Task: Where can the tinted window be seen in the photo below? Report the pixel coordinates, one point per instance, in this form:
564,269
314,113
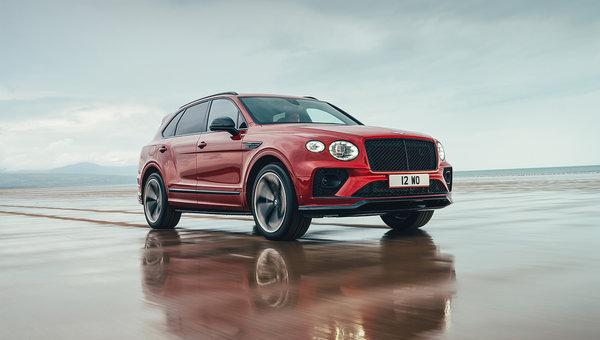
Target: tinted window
169,131
276,110
193,120
223,108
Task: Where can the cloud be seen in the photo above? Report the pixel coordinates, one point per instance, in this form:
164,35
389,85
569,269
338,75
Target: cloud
12,95
452,69
104,134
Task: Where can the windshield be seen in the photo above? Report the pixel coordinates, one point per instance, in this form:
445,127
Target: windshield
275,110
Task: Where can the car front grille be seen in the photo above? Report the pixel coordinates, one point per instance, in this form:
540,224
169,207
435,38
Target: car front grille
382,189
401,154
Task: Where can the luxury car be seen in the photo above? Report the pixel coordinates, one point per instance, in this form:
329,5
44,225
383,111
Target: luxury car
286,160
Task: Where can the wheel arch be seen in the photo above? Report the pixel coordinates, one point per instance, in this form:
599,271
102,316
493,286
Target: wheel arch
148,170
260,161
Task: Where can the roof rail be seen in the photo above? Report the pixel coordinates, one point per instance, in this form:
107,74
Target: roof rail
310,97
212,95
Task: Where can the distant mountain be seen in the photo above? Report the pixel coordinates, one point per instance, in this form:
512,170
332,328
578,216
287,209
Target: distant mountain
75,174
32,180
87,168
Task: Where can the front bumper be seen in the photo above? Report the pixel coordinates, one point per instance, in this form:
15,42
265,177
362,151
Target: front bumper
364,192
378,206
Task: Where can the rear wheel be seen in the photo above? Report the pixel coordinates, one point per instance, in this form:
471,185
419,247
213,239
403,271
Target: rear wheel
275,207
159,214
407,220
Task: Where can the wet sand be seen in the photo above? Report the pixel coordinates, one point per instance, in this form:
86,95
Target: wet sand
514,257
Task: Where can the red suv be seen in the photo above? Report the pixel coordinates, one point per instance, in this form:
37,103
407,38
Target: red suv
285,160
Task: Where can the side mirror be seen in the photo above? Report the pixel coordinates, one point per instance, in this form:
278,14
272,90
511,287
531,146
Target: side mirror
224,124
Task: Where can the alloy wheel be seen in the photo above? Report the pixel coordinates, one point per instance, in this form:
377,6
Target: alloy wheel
270,202
152,200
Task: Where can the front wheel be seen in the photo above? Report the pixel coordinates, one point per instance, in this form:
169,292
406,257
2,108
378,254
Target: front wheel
275,207
159,214
407,220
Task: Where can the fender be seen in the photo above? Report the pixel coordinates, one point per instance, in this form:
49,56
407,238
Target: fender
143,174
255,158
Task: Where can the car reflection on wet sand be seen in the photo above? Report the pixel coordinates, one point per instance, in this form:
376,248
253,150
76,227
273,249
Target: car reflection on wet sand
219,285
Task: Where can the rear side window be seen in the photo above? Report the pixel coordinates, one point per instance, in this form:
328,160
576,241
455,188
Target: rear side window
223,108
169,131
193,120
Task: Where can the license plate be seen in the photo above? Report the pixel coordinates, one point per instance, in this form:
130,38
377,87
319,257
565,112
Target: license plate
407,181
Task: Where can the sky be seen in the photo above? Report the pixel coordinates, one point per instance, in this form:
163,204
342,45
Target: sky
503,84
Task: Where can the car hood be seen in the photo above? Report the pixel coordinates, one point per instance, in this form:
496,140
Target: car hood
341,131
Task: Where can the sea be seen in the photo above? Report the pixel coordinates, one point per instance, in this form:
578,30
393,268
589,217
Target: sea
562,170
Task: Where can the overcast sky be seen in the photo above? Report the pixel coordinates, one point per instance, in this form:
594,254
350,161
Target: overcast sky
503,84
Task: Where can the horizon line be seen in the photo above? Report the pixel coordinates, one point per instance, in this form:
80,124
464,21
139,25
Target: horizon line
42,171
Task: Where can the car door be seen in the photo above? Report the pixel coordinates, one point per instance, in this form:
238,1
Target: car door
180,167
220,160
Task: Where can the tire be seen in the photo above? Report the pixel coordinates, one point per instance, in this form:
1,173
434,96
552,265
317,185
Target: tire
275,206
407,220
159,214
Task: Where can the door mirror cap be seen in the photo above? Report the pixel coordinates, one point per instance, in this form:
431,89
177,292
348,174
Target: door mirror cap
224,124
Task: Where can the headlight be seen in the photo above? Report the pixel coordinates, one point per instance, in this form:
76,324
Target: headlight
343,150
441,151
315,146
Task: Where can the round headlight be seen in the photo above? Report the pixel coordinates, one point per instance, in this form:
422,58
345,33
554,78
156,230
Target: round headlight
343,150
441,152
315,146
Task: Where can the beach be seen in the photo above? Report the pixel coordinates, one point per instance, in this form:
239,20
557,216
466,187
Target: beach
515,256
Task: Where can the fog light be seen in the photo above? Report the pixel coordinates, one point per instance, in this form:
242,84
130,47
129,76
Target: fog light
327,182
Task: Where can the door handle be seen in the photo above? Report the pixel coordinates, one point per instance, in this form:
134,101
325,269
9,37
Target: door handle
163,148
202,145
